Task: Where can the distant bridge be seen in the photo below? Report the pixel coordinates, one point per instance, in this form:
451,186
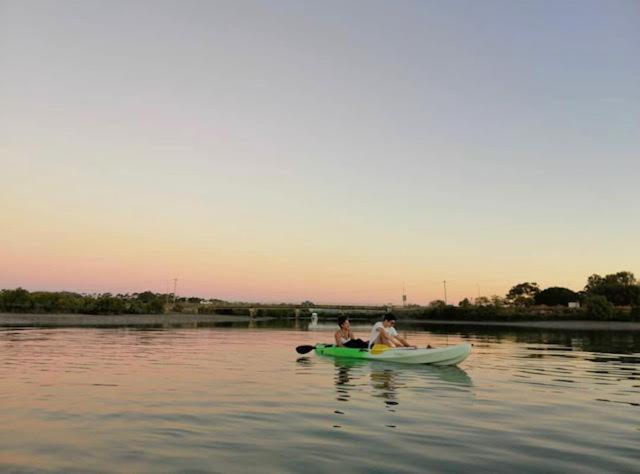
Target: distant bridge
278,309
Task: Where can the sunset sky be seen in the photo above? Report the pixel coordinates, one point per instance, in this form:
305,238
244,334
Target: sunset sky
330,151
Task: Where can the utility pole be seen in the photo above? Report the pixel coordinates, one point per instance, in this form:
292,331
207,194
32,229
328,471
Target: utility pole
404,295
444,282
175,286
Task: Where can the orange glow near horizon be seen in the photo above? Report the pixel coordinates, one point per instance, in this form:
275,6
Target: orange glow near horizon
79,251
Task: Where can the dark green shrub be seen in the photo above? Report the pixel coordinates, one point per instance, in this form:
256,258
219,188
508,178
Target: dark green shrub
555,296
598,307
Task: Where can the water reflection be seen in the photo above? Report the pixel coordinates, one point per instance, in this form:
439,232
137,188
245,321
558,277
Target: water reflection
347,371
387,381
304,361
342,379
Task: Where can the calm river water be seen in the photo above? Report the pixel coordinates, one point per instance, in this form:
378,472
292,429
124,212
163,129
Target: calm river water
237,399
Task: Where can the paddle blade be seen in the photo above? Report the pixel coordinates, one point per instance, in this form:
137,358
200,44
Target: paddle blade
304,349
379,348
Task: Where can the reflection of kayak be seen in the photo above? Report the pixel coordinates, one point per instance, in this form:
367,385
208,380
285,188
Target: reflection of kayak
450,355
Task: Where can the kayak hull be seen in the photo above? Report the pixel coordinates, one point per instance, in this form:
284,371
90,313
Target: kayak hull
450,355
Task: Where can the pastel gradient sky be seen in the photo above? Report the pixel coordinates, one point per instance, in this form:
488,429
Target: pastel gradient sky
291,150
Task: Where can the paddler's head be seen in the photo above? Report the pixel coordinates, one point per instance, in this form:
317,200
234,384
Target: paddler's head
343,322
389,320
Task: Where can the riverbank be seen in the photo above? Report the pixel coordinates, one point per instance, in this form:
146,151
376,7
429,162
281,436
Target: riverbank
121,320
182,320
570,324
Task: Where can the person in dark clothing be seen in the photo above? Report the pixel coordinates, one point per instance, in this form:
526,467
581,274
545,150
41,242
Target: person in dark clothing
344,336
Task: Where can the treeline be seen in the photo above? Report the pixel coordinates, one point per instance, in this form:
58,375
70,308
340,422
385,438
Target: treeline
613,297
23,301
619,289
593,310
147,302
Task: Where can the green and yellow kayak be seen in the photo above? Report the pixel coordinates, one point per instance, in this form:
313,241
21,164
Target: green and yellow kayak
450,355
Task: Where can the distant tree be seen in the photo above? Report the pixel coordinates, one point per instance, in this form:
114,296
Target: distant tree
555,296
523,294
44,301
107,304
497,301
620,288
620,278
465,303
598,307
482,301
437,304
135,306
18,300
156,306
70,302
146,296
307,303
21,300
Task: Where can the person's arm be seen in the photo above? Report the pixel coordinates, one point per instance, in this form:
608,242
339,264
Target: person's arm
404,342
338,337
400,341
386,338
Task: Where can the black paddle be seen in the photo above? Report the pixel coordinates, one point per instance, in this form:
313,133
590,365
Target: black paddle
304,349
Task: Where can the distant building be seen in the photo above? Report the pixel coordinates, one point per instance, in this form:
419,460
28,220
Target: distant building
574,304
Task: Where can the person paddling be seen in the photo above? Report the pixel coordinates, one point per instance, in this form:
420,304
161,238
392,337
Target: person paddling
344,336
384,332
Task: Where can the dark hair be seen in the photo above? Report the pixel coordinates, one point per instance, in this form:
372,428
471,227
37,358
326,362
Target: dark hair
341,320
389,317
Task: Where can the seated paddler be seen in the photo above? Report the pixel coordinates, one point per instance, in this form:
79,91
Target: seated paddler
344,336
384,332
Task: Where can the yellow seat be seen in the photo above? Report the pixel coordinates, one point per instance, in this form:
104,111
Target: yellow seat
379,348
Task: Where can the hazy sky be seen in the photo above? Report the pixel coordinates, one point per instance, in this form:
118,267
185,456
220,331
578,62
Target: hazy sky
329,150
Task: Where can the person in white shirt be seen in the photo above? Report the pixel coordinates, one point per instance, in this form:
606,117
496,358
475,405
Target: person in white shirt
384,332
